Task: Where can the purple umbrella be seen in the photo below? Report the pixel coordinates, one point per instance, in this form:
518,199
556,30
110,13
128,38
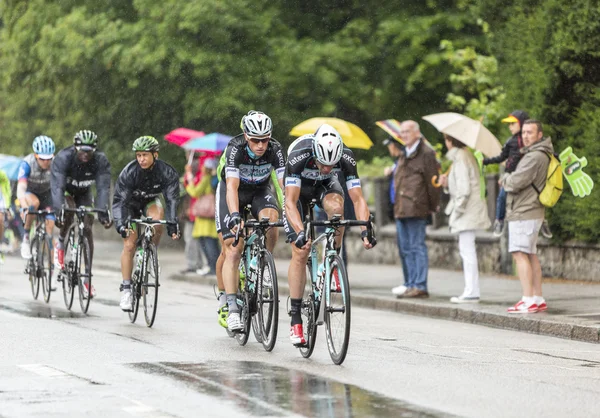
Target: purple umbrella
214,142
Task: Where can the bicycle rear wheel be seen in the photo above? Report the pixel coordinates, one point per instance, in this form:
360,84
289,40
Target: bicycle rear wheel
150,285
309,314
267,301
84,274
34,279
68,284
46,268
337,310
242,337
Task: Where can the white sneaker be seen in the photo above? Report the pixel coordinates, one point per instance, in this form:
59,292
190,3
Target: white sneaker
464,299
399,290
203,271
234,323
126,301
25,249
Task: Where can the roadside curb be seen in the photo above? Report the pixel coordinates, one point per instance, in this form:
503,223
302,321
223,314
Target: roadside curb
542,324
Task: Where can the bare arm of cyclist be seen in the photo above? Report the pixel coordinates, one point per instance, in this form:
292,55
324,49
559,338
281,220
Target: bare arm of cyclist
292,194
361,209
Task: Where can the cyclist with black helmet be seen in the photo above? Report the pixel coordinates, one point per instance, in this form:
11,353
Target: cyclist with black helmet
33,188
313,161
137,192
244,177
75,170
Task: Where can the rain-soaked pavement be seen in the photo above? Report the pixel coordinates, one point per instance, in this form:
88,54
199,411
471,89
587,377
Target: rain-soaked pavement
60,363
263,390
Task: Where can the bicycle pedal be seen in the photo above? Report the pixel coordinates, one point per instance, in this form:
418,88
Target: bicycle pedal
300,345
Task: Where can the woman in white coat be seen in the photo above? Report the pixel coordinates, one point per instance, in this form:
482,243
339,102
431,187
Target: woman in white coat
467,212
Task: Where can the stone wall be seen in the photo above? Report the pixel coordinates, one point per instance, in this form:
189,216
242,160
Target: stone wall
575,261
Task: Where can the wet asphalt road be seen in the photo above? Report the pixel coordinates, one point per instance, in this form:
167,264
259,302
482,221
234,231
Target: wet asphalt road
57,363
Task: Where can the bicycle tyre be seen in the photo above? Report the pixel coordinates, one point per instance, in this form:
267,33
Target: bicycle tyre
84,255
46,267
242,337
150,284
34,279
67,280
135,295
309,311
337,349
267,294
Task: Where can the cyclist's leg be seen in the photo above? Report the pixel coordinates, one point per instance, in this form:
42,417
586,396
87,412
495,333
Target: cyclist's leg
87,199
264,204
155,210
296,276
1,223
127,256
222,308
45,200
332,202
29,201
230,269
59,255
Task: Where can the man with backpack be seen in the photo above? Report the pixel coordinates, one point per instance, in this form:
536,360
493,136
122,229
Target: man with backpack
527,190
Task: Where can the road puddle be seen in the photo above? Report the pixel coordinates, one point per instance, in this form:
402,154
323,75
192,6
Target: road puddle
260,389
38,309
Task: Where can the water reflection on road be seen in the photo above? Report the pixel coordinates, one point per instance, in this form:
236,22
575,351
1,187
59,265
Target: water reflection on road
264,390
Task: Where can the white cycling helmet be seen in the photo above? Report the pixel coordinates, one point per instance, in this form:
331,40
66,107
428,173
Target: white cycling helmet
327,145
257,124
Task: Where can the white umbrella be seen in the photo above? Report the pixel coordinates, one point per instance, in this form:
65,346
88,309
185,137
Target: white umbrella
468,131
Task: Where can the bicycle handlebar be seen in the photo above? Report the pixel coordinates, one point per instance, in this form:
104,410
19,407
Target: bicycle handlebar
83,209
150,221
337,222
38,212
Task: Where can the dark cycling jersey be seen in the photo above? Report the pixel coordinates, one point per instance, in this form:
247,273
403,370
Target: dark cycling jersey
302,171
38,180
252,172
136,186
76,178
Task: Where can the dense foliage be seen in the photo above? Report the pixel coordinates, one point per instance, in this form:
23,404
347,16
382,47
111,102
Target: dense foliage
137,67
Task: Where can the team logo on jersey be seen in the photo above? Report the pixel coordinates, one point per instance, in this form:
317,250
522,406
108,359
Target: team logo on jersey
299,158
349,159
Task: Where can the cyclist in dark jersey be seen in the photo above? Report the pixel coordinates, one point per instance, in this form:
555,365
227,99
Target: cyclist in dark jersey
313,161
249,160
137,193
75,170
33,189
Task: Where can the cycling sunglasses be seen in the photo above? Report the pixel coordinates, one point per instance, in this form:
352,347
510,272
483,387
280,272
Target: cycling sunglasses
259,140
85,148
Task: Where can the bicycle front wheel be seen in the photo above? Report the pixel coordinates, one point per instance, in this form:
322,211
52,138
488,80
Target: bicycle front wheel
267,301
46,268
84,274
337,310
34,279
150,285
309,316
68,283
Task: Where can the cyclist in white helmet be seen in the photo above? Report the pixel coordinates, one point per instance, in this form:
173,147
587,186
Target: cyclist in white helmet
244,178
33,188
314,160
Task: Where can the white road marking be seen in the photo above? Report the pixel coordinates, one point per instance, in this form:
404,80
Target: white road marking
42,370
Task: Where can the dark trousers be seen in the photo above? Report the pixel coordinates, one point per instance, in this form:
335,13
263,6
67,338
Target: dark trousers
210,246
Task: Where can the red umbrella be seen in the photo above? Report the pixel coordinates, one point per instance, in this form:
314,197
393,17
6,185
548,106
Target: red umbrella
182,135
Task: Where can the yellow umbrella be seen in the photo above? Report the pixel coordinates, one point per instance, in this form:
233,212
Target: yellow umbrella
352,135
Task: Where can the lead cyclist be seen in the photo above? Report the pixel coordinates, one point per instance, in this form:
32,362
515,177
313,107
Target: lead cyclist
249,159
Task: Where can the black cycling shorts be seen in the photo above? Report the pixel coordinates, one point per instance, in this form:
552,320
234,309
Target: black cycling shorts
330,185
259,198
